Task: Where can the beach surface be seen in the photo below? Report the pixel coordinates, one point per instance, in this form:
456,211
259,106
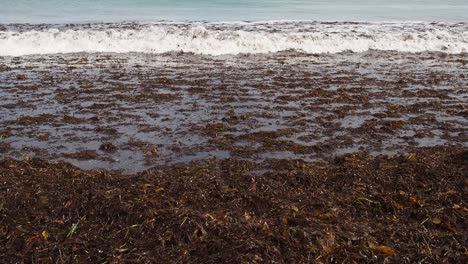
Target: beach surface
357,208
272,157
290,141
133,112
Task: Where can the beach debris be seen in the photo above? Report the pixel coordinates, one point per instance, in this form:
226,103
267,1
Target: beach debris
436,220
68,204
107,146
411,157
45,235
73,230
147,185
154,151
384,250
21,77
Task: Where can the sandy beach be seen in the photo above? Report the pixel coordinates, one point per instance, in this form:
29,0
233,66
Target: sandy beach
284,157
135,112
227,131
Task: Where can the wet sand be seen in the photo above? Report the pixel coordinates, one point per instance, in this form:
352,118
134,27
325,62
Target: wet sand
134,112
283,157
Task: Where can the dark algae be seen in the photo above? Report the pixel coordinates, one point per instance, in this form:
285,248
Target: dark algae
356,208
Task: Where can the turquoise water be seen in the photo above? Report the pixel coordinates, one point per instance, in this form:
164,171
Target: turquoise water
73,11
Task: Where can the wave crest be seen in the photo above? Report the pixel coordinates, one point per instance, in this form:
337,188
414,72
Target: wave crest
234,38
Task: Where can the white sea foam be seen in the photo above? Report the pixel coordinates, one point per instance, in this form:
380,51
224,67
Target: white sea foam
234,38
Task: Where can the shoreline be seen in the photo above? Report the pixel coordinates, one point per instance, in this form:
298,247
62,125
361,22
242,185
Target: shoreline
134,111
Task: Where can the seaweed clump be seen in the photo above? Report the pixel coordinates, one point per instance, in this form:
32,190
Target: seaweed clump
357,208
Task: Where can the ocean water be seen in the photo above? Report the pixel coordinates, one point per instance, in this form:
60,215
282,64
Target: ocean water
232,27
74,11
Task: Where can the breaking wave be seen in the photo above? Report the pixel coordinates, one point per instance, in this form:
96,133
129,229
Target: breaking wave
234,38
